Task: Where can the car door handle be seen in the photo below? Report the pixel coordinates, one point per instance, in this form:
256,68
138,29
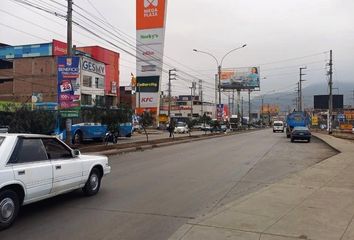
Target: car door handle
22,172
58,167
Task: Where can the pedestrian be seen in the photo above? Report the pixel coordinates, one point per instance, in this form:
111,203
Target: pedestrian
171,129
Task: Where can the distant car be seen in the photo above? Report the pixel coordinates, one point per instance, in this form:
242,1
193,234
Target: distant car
4,129
206,127
278,126
181,128
36,167
221,128
300,133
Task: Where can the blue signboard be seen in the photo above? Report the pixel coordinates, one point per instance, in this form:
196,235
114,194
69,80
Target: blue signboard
69,83
32,50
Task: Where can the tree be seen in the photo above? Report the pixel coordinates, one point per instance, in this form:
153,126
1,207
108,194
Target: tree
146,120
38,121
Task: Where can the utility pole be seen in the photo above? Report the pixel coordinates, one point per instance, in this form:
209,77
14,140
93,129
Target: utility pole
249,108
201,97
330,85
262,117
216,94
233,102
69,20
241,111
219,84
268,114
300,88
171,76
229,101
70,28
192,97
298,97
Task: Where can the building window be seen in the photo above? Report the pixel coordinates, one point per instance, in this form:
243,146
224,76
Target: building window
87,81
99,100
178,114
99,83
86,99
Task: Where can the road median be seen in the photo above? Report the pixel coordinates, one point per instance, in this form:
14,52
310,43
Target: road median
316,203
113,149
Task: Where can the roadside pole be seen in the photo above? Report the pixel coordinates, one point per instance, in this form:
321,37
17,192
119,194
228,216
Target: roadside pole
171,76
300,89
68,121
330,100
249,108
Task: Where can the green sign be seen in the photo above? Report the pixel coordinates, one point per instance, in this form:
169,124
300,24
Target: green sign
69,113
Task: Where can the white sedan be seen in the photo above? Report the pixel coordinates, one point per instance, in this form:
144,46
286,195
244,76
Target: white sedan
181,128
36,167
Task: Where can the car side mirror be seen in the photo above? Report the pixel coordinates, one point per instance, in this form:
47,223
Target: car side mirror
76,152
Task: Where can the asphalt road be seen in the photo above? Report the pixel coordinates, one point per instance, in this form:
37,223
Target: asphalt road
150,194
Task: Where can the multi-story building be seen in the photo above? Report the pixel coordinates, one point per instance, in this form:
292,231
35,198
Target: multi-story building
29,70
183,106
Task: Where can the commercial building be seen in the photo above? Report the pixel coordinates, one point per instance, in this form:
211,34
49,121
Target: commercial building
183,106
32,70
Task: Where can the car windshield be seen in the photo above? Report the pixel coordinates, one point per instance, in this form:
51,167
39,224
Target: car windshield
278,124
301,128
1,140
181,124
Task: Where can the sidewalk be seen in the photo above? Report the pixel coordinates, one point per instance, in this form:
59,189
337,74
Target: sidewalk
316,204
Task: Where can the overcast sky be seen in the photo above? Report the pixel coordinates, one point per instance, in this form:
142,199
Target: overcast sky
299,31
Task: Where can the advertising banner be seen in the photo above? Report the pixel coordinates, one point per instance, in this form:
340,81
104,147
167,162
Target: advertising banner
148,84
147,99
69,83
240,78
150,36
220,112
314,121
150,14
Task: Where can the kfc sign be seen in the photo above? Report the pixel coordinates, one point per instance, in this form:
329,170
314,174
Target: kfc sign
147,100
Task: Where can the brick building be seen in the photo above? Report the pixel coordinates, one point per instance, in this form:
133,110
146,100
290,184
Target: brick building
30,69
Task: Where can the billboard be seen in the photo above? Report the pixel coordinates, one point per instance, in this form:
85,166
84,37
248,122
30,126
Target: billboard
270,109
69,83
148,84
240,78
150,36
322,101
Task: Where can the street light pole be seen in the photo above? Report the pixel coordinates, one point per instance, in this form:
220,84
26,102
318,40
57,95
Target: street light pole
219,66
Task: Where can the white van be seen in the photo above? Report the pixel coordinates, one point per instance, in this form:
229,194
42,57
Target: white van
278,126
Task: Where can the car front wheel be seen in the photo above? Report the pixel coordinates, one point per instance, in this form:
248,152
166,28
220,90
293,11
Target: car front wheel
93,183
9,207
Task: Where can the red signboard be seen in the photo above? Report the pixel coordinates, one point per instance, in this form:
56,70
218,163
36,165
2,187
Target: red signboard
58,48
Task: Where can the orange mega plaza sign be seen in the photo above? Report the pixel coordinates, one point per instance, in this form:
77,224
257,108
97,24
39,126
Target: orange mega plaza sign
150,14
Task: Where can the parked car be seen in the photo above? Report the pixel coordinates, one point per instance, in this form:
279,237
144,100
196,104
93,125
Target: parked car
300,133
36,167
278,126
181,127
206,127
221,128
